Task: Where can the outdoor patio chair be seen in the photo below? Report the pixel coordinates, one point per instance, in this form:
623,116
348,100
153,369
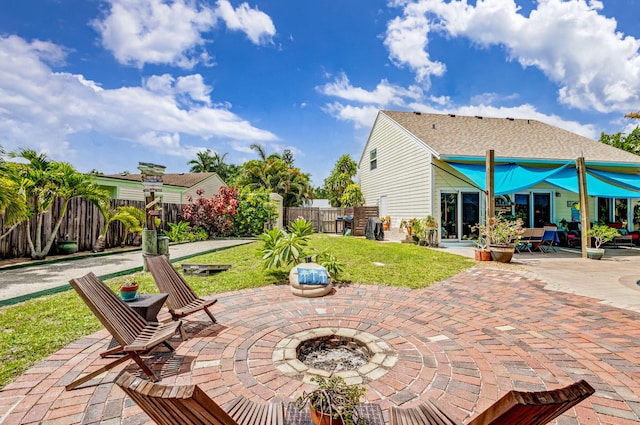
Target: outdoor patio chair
134,335
515,407
182,300
188,404
530,240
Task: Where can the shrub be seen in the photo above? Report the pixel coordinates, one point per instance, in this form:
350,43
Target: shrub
215,215
255,210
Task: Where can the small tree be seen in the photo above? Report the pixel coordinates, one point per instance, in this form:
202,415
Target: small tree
352,196
43,181
602,234
340,178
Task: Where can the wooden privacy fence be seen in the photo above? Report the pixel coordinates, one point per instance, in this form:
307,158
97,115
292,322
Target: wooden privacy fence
324,219
82,222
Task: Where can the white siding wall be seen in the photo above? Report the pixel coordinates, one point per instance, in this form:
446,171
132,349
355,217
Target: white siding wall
403,172
211,186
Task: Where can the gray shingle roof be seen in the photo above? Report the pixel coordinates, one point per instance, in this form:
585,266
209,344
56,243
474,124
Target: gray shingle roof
180,180
455,135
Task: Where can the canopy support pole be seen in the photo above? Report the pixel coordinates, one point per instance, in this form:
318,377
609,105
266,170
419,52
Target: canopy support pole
583,194
490,207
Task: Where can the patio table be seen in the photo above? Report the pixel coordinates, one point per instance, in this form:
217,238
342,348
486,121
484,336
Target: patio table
550,238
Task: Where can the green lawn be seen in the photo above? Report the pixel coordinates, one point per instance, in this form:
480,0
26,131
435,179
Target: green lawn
35,329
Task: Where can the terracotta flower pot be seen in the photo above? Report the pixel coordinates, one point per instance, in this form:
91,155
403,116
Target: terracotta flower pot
482,255
319,418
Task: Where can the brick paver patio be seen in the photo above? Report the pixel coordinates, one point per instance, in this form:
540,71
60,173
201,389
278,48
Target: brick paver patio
465,342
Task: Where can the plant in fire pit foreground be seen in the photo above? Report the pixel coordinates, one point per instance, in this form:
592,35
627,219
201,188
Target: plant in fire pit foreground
334,398
281,249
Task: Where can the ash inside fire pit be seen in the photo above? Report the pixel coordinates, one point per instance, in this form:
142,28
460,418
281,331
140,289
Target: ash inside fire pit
333,353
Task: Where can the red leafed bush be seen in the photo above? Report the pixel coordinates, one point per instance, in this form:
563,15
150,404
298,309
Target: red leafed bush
215,214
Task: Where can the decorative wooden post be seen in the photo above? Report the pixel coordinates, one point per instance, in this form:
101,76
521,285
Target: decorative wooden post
151,183
584,205
490,207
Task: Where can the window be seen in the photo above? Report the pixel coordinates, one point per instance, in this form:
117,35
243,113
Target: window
373,159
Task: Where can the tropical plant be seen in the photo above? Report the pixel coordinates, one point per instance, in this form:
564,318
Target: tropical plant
208,162
276,173
334,397
352,196
256,211
627,142
215,214
422,228
602,233
43,181
182,232
13,203
499,230
328,261
341,177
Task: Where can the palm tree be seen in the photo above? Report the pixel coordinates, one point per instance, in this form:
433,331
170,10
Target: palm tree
44,180
131,218
13,204
203,163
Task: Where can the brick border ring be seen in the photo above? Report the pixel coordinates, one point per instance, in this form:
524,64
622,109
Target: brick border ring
383,356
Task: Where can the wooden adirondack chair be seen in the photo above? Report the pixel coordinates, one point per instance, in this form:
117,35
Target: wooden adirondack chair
515,407
188,404
134,335
182,300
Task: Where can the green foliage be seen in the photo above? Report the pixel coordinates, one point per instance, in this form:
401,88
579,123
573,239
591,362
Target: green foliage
352,196
182,232
329,262
341,177
602,233
276,173
334,397
499,230
282,249
41,181
629,142
422,227
255,210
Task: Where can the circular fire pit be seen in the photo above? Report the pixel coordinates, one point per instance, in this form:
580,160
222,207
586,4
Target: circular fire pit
333,353
357,356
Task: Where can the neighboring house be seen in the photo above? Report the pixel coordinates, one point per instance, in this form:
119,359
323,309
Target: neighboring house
176,188
417,164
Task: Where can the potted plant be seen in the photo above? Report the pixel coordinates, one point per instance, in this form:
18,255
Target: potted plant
333,402
502,235
129,290
482,252
601,234
386,222
67,246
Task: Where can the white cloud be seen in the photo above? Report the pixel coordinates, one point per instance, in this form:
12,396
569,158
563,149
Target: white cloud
595,66
43,109
256,24
384,94
155,31
360,116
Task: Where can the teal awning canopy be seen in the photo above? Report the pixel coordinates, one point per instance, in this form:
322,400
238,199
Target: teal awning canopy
510,178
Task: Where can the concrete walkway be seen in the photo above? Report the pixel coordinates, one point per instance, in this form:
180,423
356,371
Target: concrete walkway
17,282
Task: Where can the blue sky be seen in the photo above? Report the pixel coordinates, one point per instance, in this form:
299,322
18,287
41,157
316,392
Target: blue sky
105,84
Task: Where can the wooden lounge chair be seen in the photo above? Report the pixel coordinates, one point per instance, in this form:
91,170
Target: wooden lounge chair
182,300
134,335
515,407
188,404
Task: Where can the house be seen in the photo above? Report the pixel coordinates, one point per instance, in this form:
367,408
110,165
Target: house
417,164
176,188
